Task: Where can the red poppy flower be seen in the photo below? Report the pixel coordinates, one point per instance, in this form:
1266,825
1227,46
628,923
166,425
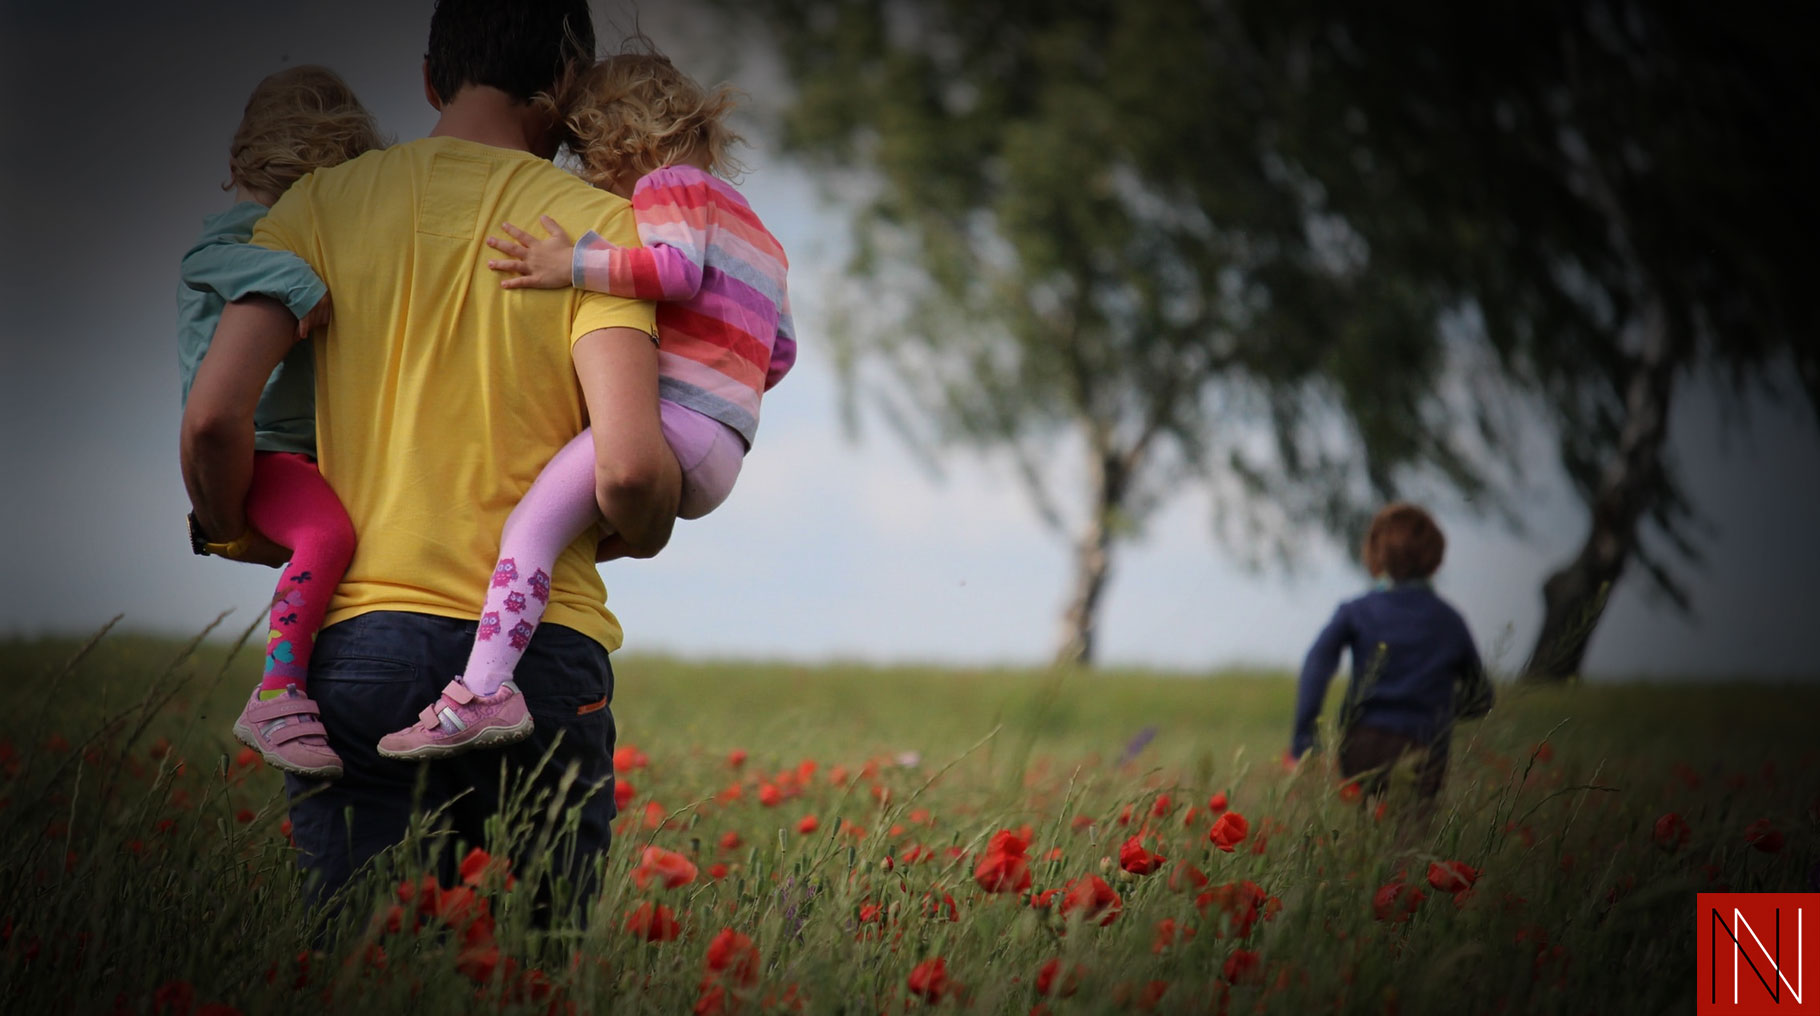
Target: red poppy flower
1092,898
929,980
736,758
730,840
1162,806
623,792
717,871
248,759
1167,931
1004,868
1051,973
653,922
734,956
1137,860
713,999
1186,876
1672,832
1242,965
667,866
935,908
479,866
1396,902
478,963
1452,876
1351,791
1217,803
628,758
1240,903
175,997
769,795
808,825
1764,836
1229,831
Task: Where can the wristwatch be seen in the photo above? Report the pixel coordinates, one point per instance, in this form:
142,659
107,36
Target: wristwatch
201,545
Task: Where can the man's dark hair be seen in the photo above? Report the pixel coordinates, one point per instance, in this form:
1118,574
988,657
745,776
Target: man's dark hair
521,47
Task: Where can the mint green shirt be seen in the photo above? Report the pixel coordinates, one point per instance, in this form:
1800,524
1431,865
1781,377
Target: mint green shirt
222,266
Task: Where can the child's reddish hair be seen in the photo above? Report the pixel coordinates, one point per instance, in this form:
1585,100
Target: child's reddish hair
1403,543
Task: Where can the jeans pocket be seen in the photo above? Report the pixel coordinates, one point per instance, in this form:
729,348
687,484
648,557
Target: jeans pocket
365,698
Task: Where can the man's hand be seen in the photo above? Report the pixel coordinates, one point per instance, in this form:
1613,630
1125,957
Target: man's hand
253,547
540,264
317,317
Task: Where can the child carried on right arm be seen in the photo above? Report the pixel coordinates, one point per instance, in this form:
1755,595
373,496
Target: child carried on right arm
646,132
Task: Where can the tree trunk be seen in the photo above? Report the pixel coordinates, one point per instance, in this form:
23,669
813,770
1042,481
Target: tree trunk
1092,564
1574,597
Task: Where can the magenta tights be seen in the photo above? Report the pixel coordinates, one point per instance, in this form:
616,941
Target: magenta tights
559,506
291,503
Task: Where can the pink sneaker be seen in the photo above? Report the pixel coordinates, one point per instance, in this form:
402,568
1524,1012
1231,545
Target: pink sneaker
459,721
288,734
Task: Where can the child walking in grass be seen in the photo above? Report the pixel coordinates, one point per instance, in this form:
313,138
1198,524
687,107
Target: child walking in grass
1415,669
296,121
647,132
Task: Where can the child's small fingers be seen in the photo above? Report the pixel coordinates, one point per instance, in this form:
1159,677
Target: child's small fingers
516,267
555,231
518,234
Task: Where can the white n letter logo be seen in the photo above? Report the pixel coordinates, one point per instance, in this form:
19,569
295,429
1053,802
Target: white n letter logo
1775,960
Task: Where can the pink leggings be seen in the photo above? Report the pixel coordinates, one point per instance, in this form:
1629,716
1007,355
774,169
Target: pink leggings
292,504
559,506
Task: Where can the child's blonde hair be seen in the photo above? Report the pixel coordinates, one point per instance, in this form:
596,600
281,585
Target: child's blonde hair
633,113
297,120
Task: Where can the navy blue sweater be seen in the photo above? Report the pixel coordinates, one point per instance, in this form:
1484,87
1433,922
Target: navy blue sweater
1409,652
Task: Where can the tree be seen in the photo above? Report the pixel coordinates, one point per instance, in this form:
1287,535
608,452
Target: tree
1076,235
1622,191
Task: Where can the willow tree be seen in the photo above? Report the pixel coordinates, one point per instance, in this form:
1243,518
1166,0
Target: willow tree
1075,252
1623,193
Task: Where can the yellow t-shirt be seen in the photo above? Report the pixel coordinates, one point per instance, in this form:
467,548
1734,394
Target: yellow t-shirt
440,396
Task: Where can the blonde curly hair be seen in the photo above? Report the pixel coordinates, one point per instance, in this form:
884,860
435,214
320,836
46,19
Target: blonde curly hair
634,113
300,119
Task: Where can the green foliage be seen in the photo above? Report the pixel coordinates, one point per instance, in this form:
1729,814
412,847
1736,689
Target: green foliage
145,863
1075,228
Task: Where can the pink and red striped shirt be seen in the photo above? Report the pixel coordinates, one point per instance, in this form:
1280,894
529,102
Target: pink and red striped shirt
723,314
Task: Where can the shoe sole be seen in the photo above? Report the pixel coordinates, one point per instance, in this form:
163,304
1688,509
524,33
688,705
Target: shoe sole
246,736
487,737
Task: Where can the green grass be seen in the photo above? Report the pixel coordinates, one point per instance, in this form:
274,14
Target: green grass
140,860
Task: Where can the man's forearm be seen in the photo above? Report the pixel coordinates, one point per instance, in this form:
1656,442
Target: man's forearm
217,439
217,471
641,505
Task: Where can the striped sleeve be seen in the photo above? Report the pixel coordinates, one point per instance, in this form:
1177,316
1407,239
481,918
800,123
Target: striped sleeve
783,350
673,219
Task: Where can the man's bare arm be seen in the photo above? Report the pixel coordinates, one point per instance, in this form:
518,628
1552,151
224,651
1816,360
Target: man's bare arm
636,478
217,438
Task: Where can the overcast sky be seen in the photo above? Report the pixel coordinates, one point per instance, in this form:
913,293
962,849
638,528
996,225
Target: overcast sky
114,141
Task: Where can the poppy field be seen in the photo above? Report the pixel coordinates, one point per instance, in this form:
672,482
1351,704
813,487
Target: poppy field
858,839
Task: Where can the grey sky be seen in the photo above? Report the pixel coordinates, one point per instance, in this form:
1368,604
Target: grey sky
114,141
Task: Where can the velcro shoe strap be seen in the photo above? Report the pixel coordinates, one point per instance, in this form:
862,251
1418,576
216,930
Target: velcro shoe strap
458,693
280,708
296,729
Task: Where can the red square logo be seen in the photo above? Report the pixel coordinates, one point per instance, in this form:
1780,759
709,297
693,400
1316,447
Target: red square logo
1755,951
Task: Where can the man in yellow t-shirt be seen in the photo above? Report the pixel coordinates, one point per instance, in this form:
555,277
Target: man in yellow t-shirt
439,398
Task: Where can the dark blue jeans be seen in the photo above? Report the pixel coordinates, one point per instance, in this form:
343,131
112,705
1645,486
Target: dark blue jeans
372,674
